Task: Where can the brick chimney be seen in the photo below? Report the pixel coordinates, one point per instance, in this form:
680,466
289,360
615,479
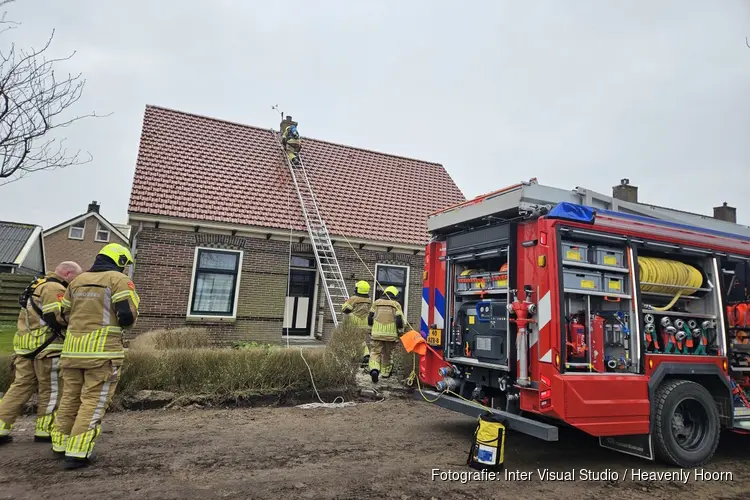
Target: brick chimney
725,212
625,191
286,122
93,207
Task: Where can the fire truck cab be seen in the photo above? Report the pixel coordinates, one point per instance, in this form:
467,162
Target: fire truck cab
549,310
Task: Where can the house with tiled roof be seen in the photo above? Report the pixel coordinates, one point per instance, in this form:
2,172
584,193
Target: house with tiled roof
81,237
220,240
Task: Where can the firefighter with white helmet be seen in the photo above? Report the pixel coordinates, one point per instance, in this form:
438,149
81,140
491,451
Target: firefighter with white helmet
387,321
97,306
36,359
356,309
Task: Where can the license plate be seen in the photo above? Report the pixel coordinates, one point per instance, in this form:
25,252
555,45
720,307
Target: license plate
434,338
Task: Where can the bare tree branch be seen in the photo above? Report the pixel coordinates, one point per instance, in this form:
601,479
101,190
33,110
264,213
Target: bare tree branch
34,106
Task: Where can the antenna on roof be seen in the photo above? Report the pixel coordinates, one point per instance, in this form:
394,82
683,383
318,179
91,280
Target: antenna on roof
276,107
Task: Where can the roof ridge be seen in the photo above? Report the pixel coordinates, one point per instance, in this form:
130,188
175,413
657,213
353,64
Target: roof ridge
19,223
256,127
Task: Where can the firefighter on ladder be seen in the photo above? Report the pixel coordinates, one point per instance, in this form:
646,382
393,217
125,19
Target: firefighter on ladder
356,309
291,141
387,321
97,306
37,345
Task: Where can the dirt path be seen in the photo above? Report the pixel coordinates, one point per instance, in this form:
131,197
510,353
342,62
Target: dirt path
369,451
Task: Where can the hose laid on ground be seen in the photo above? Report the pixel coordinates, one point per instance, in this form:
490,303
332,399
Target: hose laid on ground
666,275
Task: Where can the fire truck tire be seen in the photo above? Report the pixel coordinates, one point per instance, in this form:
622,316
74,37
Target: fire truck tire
686,425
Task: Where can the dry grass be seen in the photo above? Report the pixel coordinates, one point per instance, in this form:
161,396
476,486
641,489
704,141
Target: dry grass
175,338
161,362
179,361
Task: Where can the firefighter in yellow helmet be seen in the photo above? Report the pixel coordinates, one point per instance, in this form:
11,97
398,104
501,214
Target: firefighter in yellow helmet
97,306
355,309
37,345
387,320
291,141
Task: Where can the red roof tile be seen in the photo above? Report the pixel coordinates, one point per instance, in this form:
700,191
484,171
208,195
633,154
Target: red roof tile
206,169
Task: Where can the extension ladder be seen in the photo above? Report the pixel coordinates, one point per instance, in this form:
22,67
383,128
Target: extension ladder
325,255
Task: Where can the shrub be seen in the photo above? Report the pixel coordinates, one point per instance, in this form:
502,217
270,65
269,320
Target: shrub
175,338
178,361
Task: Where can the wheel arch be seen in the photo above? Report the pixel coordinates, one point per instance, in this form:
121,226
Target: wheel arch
709,376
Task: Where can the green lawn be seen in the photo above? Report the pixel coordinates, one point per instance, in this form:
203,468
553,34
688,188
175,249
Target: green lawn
7,330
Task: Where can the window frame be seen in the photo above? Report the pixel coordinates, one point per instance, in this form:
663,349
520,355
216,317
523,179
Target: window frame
194,278
74,226
405,307
102,228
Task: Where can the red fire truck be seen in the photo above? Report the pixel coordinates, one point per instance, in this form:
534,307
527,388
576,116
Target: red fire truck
552,307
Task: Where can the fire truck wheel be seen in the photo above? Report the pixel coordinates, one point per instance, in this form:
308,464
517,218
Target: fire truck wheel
686,426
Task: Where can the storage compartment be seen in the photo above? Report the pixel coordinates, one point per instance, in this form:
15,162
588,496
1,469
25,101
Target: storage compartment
614,283
612,257
582,280
576,252
482,331
597,335
488,275
478,314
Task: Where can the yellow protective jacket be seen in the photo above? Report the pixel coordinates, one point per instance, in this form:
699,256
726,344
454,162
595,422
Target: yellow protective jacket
355,311
32,330
387,320
97,306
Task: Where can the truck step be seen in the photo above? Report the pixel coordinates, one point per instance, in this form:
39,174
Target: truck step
742,418
518,423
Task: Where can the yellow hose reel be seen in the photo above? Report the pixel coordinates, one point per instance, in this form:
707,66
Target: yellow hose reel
668,277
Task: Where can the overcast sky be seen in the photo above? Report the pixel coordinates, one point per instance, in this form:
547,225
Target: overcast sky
575,93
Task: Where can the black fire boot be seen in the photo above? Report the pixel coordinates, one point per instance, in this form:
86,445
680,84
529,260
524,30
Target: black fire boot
374,375
42,439
72,463
6,439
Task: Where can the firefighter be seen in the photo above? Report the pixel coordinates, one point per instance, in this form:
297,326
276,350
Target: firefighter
291,141
387,320
356,309
97,306
37,345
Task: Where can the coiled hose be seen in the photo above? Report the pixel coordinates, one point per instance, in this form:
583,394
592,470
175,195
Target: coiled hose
668,272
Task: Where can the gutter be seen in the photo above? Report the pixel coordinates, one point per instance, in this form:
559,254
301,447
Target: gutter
133,248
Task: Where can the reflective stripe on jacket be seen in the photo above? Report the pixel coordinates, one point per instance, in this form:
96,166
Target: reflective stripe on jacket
94,307
32,331
384,322
355,310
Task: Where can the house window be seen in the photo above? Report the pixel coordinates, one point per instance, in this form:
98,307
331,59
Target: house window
301,261
392,275
76,230
102,234
215,282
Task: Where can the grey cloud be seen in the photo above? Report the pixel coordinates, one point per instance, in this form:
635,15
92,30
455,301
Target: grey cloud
573,93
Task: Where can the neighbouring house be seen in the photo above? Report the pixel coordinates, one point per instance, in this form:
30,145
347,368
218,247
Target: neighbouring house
220,240
79,239
21,249
21,257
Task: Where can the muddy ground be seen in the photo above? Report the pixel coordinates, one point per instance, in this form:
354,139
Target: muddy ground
372,450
